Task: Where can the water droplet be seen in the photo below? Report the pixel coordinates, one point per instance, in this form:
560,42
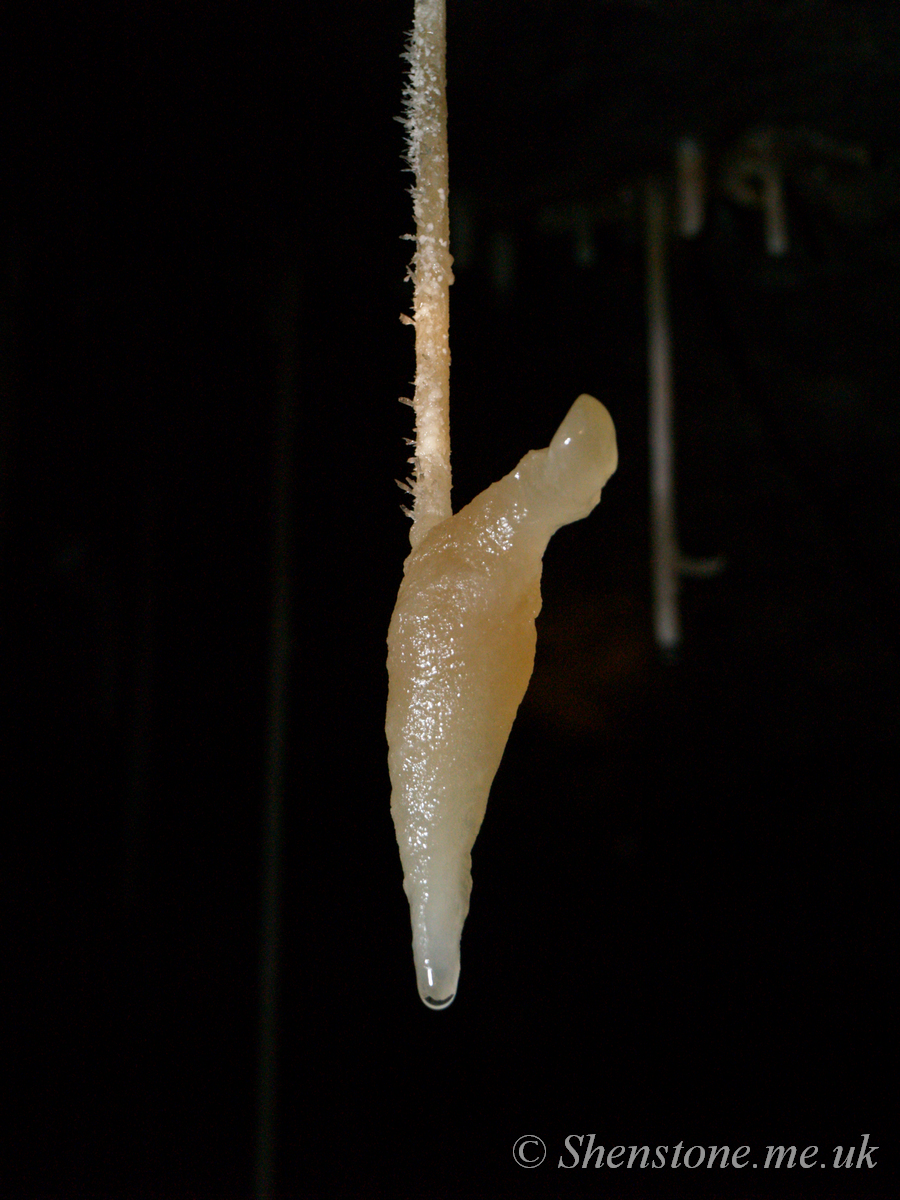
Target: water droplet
433,1003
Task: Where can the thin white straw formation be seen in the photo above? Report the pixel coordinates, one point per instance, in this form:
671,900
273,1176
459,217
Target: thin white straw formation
431,269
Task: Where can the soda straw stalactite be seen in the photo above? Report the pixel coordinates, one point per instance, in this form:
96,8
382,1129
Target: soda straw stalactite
431,268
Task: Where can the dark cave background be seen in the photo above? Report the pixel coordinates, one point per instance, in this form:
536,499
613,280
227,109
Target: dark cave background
683,915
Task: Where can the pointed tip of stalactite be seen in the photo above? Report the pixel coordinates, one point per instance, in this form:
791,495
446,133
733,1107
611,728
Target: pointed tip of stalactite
437,976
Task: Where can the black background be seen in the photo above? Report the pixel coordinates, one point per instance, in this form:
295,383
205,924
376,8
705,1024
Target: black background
682,922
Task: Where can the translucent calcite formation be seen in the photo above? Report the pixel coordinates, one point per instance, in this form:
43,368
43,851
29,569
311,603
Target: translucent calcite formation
460,654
